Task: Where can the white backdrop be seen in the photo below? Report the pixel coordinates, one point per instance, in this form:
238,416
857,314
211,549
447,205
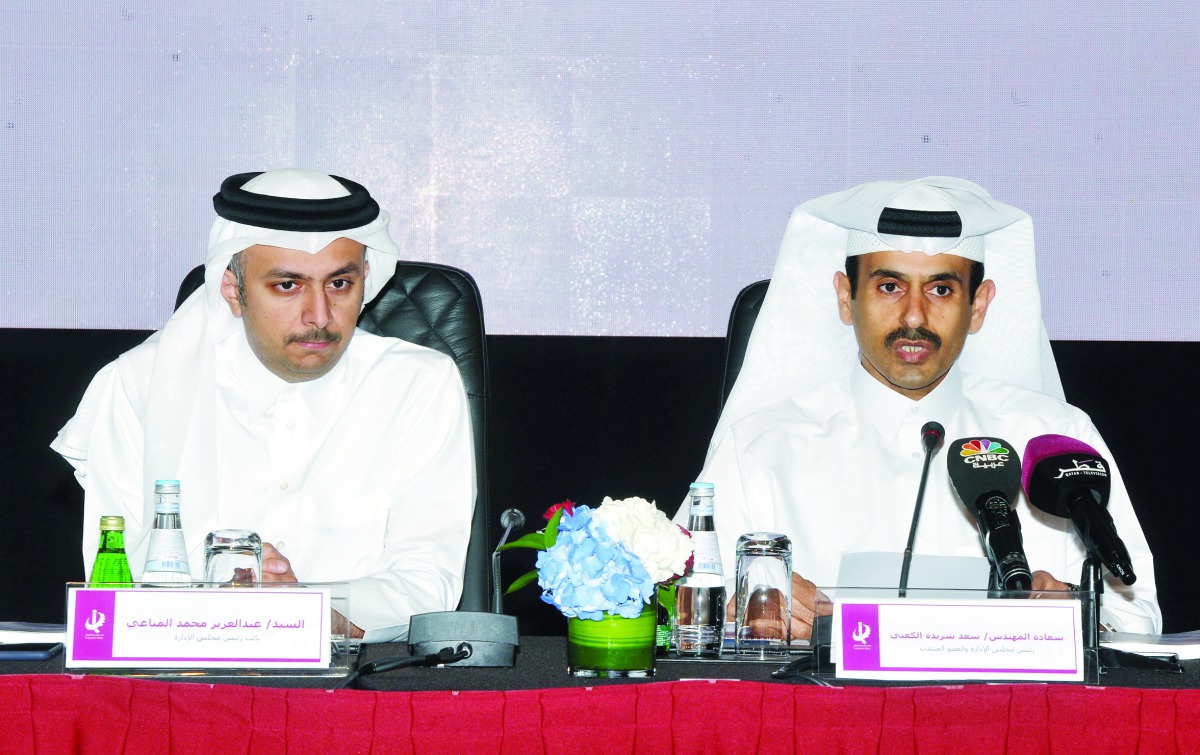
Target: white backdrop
619,167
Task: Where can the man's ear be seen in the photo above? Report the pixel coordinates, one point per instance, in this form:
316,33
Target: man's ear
841,285
983,297
229,292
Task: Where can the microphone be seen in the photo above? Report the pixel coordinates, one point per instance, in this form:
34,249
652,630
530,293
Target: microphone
986,477
510,520
1066,477
931,437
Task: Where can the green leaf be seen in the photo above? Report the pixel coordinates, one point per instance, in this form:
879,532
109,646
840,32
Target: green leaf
535,540
552,529
521,581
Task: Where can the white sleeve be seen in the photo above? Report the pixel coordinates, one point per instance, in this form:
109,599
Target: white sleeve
429,520
104,442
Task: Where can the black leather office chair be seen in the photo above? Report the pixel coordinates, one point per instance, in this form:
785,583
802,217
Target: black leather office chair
439,307
741,322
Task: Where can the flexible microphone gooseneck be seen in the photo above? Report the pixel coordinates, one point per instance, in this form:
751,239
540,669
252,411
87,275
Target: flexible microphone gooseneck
932,434
1066,477
986,476
511,519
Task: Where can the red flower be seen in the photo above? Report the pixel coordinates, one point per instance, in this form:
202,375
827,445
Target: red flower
550,512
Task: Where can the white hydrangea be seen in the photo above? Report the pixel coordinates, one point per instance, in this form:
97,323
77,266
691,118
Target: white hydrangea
636,523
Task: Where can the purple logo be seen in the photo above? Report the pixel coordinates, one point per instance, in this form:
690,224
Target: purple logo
858,624
94,617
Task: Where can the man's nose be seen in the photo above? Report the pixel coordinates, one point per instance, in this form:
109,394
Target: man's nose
914,314
316,308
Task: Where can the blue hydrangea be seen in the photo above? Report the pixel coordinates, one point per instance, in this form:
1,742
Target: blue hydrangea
586,573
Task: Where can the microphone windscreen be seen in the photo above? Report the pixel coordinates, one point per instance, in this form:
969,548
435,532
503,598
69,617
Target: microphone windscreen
1045,446
981,467
514,518
932,435
1058,470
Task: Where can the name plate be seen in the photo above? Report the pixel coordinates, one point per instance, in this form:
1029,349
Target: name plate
198,628
1035,640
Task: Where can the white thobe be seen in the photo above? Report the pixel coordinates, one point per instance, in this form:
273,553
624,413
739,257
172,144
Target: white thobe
837,470
364,475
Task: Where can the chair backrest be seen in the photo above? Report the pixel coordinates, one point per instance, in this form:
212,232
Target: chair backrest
439,307
741,322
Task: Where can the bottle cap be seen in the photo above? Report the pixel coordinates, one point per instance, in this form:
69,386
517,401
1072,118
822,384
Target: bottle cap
702,488
110,523
166,486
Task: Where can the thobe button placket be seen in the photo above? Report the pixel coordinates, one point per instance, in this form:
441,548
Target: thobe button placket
289,447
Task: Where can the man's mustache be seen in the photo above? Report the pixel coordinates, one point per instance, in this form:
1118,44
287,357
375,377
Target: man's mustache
314,335
912,334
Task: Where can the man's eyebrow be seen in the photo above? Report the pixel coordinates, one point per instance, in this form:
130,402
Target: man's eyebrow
346,269
282,272
949,275
884,272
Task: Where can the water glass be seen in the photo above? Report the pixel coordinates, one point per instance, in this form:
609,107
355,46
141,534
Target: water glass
764,594
233,557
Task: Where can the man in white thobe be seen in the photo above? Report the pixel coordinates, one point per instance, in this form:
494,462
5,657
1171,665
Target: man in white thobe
349,453
821,437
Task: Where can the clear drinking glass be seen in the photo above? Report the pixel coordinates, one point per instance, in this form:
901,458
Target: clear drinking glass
764,594
233,557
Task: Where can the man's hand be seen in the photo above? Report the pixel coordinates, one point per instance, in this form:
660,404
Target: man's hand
807,603
275,567
1045,581
341,626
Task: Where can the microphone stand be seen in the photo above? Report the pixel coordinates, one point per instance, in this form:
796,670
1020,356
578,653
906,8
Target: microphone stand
1092,581
511,519
912,531
489,637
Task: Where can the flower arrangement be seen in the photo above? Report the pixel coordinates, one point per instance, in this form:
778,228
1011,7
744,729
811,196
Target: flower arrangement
607,559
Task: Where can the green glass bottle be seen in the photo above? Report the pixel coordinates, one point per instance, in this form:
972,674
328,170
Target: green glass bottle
111,567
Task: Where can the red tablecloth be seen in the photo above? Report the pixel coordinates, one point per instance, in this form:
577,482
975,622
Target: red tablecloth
56,714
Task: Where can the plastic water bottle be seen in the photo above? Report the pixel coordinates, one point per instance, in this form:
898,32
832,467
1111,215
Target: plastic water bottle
700,594
111,567
166,555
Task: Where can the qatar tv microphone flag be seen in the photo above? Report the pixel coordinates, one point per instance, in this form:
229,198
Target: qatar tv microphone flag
1066,477
986,476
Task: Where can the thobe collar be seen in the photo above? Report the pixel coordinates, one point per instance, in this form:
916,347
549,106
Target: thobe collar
253,389
888,410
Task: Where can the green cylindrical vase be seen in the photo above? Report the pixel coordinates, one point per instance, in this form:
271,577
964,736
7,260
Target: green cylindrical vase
613,647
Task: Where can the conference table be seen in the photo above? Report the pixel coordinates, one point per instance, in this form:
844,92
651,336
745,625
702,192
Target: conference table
536,707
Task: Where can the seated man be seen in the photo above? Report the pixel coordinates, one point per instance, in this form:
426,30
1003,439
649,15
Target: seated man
820,439
348,452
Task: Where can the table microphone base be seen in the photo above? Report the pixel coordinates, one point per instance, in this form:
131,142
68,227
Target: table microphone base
492,636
